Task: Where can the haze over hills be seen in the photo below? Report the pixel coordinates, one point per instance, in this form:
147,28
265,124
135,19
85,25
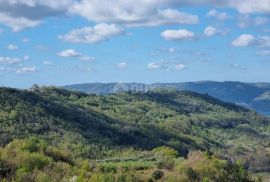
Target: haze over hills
252,95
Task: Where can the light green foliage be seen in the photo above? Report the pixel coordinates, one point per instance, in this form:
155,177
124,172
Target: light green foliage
29,162
165,152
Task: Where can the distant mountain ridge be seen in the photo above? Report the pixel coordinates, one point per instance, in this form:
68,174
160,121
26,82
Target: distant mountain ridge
252,95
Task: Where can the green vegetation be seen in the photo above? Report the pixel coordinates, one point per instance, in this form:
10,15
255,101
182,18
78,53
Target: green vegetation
34,160
252,95
51,134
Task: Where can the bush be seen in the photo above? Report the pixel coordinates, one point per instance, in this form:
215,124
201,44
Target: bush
166,164
58,155
108,168
34,145
157,174
165,152
42,177
5,171
31,161
191,174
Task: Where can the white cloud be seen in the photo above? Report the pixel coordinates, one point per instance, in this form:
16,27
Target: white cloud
210,31
171,16
250,40
9,60
237,66
12,47
244,40
261,20
19,23
250,6
98,33
154,65
122,65
218,15
27,69
246,21
181,34
22,14
130,13
165,65
69,53
180,66
263,41
48,63
159,12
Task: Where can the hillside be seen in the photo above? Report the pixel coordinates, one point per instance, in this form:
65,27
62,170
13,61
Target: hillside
251,95
102,127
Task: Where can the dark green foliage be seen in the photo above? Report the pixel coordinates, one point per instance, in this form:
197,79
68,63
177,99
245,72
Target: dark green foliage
253,95
157,174
191,174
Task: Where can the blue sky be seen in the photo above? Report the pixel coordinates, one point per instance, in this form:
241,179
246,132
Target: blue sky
67,41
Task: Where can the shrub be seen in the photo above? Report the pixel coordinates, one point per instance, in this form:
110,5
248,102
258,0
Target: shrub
42,177
191,174
157,174
165,152
166,164
108,168
58,155
33,145
31,161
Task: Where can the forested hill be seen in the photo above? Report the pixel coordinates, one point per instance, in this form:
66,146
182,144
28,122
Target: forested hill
251,95
95,127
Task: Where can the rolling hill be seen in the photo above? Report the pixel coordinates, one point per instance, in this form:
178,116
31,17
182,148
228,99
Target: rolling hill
126,128
251,95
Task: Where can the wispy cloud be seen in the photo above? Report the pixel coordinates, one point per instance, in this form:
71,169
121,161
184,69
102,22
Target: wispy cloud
27,69
218,15
12,47
245,40
246,20
165,65
122,65
48,63
68,53
263,52
9,60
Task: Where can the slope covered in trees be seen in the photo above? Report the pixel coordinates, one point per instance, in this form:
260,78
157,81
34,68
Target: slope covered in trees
251,95
126,130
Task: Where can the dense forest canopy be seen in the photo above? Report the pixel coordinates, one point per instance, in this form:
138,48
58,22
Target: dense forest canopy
251,95
53,134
